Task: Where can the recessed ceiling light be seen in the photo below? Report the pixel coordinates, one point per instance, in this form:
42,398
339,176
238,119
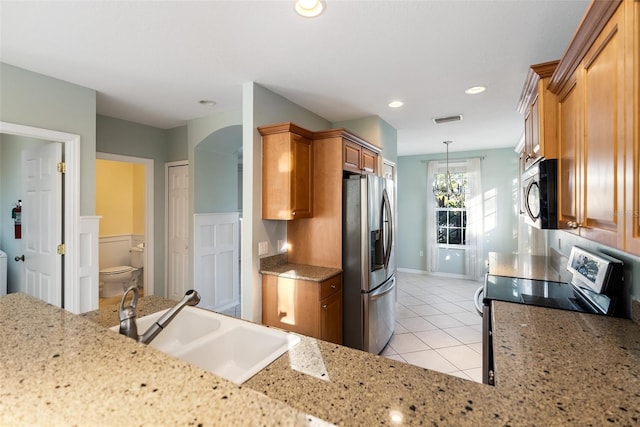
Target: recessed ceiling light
309,8
207,102
475,90
396,104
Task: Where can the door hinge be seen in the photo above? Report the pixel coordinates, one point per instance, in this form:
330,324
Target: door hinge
62,167
61,249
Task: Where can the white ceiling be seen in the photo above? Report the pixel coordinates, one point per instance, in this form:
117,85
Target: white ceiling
150,62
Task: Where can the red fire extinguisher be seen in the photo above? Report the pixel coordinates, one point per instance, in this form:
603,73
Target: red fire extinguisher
16,214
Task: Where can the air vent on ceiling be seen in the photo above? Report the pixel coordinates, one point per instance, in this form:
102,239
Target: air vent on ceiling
439,120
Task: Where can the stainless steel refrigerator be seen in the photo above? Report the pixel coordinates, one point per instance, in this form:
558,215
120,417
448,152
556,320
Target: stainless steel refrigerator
368,261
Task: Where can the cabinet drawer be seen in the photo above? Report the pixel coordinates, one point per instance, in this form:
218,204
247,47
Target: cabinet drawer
330,286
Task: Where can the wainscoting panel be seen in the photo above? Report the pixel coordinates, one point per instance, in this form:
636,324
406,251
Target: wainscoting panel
87,297
216,257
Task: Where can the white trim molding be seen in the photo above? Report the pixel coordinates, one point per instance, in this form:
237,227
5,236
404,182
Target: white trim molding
71,201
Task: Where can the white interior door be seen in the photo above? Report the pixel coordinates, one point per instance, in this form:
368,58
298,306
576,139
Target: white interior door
178,231
42,223
216,255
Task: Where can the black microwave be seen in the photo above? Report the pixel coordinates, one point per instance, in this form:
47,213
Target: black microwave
540,194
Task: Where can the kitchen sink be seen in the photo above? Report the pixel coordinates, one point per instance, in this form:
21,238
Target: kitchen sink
231,348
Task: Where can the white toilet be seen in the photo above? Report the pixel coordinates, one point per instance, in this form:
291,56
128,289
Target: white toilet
115,280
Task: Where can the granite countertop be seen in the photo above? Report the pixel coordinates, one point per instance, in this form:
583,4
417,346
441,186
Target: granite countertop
552,367
570,368
312,273
586,373
58,369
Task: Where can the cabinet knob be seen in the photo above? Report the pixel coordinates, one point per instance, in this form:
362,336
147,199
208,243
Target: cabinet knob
333,286
324,305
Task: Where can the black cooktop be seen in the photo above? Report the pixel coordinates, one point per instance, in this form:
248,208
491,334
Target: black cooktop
543,293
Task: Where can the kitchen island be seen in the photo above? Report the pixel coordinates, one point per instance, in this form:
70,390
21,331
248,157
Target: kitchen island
553,368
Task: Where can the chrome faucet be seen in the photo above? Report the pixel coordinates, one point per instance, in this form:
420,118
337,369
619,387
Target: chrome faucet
127,315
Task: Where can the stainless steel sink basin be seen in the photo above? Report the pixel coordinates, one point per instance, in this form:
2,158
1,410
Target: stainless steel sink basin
228,347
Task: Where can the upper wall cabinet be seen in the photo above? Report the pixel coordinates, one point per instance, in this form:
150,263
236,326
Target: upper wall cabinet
569,104
597,87
357,158
632,128
287,172
538,105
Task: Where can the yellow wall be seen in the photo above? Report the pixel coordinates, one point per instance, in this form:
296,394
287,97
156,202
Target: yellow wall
120,197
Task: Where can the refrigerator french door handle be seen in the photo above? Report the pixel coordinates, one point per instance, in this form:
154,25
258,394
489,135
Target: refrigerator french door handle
477,298
383,290
386,206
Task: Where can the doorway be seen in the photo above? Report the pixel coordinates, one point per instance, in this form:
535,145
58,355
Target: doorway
72,297
177,229
127,241
217,207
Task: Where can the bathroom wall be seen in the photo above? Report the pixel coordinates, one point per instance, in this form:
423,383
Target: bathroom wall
120,197
120,203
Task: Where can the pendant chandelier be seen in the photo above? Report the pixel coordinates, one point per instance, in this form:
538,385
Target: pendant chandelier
446,189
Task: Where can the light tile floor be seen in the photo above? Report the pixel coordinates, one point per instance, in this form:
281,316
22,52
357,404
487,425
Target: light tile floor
437,326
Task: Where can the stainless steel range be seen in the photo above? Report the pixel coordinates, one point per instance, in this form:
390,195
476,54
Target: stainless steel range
594,288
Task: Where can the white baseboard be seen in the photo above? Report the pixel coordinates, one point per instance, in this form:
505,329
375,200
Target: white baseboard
411,270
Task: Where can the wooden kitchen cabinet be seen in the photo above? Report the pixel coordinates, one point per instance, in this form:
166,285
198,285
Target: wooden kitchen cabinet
601,79
598,126
538,105
331,318
303,306
357,158
632,130
287,172
568,177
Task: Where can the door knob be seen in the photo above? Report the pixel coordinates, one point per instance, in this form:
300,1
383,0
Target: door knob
19,258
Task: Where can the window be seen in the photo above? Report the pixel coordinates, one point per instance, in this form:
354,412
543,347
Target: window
450,192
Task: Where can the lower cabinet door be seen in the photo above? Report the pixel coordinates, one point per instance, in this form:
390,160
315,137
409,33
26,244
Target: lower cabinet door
331,318
291,305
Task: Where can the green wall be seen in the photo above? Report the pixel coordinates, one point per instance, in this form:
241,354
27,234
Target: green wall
216,171
500,187
32,99
177,145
